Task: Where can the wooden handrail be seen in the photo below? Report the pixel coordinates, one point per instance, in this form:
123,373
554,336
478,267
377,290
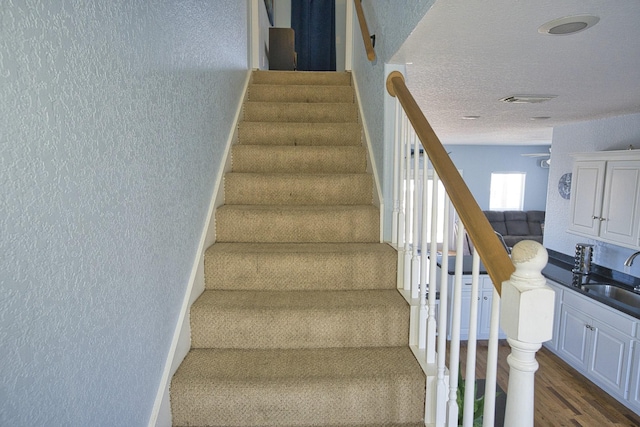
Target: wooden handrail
495,259
371,54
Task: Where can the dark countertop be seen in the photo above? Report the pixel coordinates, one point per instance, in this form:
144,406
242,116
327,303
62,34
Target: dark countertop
467,264
559,268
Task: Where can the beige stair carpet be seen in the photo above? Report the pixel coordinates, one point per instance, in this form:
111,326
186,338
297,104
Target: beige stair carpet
300,323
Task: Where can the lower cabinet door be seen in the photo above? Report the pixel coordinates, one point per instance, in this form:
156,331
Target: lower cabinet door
634,389
484,324
608,361
465,306
465,315
573,342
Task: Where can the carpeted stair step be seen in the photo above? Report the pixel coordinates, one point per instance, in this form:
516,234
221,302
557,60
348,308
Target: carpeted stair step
299,319
300,266
280,133
300,93
297,224
300,112
288,159
298,387
300,323
298,189
302,78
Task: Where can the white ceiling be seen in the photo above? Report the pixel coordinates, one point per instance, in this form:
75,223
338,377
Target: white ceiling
465,55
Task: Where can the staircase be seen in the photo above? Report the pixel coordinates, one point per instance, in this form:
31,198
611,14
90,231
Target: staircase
300,323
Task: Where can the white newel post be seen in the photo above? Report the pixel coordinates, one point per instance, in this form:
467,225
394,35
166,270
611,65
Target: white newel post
527,319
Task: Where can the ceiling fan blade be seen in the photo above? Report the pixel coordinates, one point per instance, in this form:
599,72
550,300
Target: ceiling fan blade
536,155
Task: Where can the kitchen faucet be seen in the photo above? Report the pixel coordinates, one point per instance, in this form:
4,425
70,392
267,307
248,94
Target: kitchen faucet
629,261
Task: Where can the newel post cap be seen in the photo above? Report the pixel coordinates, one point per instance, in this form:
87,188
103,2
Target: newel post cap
527,307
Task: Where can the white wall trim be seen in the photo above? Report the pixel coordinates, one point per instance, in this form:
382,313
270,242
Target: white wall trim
348,39
371,162
181,342
254,31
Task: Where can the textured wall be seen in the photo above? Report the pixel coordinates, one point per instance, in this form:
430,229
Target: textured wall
477,162
114,115
615,133
391,24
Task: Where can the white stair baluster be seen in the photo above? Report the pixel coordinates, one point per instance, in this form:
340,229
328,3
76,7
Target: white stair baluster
442,385
433,250
408,211
402,190
488,419
425,282
454,344
470,374
417,191
396,174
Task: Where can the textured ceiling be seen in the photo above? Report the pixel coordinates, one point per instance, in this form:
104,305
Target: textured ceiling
464,56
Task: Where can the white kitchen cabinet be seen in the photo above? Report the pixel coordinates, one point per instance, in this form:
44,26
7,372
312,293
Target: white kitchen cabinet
608,361
587,184
605,197
634,389
557,288
596,340
621,203
574,341
465,308
485,300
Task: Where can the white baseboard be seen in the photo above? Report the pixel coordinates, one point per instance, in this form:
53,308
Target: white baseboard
378,200
181,342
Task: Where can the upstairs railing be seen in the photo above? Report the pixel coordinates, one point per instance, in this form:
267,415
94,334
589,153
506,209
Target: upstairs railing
518,291
364,29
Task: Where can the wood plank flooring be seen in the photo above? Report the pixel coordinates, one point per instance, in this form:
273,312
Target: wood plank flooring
564,397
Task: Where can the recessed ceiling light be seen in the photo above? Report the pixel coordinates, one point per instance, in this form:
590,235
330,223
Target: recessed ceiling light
470,117
527,99
568,25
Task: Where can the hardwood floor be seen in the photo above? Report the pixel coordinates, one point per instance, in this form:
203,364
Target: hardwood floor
563,396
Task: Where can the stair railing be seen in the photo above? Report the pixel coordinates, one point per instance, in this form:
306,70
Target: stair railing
364,29
519,292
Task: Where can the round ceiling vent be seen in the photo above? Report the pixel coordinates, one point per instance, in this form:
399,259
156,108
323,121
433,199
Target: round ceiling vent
568,25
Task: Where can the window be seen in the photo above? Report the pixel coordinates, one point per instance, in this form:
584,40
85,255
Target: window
507,191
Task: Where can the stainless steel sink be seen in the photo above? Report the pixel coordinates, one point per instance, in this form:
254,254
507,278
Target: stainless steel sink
616,293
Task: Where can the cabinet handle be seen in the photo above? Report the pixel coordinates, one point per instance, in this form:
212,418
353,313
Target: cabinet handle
485,298
599,218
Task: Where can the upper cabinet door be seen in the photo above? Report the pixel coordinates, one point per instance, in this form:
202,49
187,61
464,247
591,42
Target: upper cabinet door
586,197
621,202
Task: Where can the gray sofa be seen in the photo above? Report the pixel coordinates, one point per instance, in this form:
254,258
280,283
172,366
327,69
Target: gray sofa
515,226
